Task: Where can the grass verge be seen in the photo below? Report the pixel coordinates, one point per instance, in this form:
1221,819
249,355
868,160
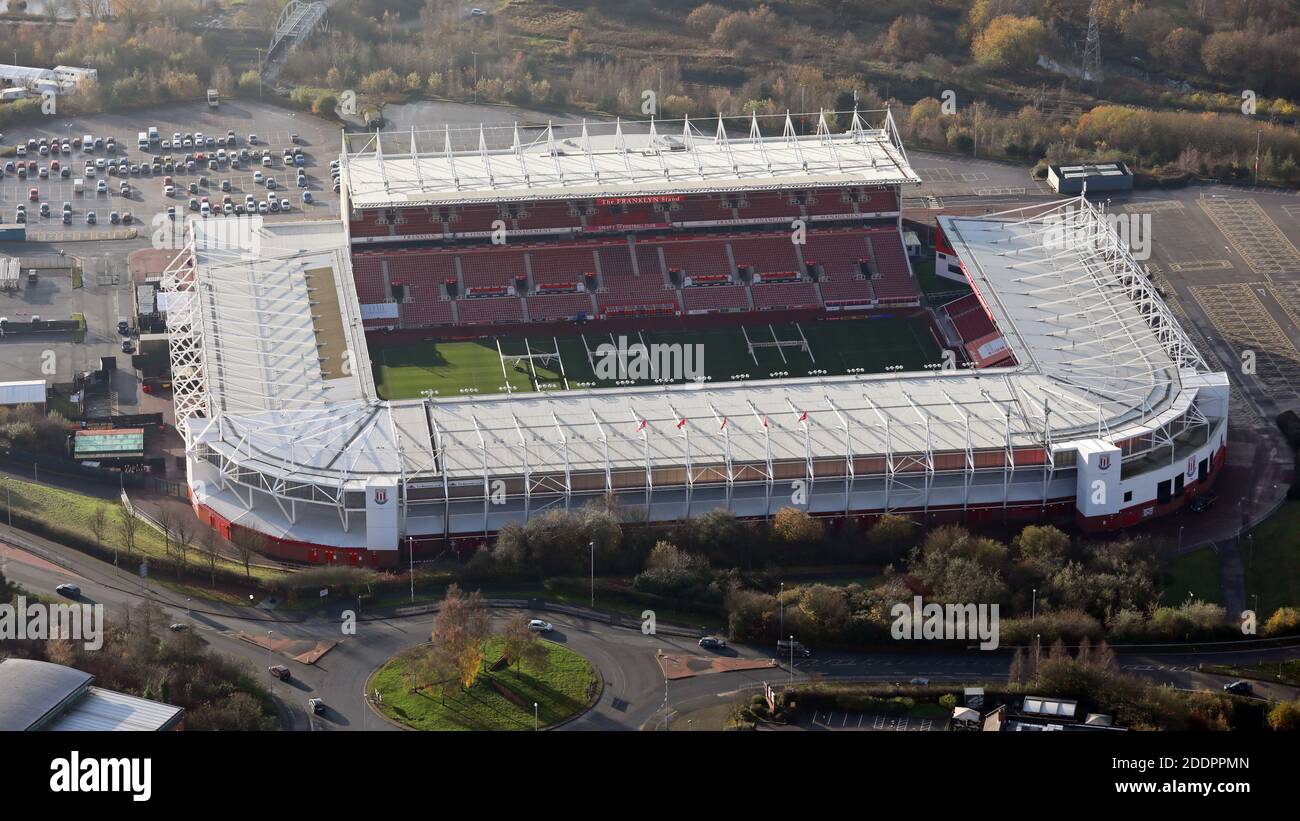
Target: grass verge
562,688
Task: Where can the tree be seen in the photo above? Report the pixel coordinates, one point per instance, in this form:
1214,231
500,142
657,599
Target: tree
248,543
704,19
796,527
99,524
524,645
907,37
668,556
891,537
1285,717
167,524
209,550
459,631
184,530
127,524
1010,42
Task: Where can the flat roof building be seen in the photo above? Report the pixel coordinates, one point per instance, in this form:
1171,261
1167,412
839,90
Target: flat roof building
40,695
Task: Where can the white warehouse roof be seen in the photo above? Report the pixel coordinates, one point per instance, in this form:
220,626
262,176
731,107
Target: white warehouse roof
27,392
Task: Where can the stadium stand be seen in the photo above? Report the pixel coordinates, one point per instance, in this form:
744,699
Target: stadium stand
707,208
368,272
491,266
776,207
561,264
490,311
548,215
414,221
426,308
785,295
892,278
764,254
969,318
549,307
471,218
715,299
695,257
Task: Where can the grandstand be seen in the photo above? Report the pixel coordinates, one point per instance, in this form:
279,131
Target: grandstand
482,282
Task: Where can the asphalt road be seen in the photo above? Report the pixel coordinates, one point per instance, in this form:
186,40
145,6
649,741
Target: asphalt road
634,692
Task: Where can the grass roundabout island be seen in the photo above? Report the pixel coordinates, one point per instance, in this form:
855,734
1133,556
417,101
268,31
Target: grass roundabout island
561,683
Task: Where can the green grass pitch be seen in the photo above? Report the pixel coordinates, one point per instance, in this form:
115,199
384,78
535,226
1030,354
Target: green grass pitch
459,367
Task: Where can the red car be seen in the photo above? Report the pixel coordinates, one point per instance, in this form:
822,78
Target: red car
33,194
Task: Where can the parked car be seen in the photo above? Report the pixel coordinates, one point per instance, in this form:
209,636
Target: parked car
1203,502
539,626
280,671
785,646
317,706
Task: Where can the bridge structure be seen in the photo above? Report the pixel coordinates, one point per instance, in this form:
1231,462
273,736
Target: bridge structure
296,23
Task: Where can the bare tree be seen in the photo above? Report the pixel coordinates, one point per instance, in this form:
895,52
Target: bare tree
209,551
126,528
248,543
167,523
524,645
99,524
184,533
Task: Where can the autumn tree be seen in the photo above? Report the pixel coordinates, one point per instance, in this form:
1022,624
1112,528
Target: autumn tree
796,527
459,631
1010,42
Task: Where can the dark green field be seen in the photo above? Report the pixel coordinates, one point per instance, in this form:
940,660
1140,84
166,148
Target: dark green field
457,368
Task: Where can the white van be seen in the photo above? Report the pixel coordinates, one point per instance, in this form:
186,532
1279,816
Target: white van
78,186
88,143
143,140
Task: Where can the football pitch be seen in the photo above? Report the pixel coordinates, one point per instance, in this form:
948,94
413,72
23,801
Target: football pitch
602,360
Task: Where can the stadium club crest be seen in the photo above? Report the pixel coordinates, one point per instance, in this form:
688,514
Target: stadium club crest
1103,463
381,497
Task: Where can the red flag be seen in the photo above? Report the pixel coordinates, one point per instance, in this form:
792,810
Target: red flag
682,423
804,417
640,426
723,426
764,421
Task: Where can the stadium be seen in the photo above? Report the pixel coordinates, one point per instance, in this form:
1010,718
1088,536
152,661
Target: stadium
433,367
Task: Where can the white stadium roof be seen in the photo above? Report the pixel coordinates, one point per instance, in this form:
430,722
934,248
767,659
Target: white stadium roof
1097,355
613,159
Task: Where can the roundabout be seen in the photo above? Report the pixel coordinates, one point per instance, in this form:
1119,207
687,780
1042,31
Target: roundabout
550,689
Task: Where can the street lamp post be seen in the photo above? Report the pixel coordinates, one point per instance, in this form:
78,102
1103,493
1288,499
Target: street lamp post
592,545
1033,607
780,629
534,716
791,661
